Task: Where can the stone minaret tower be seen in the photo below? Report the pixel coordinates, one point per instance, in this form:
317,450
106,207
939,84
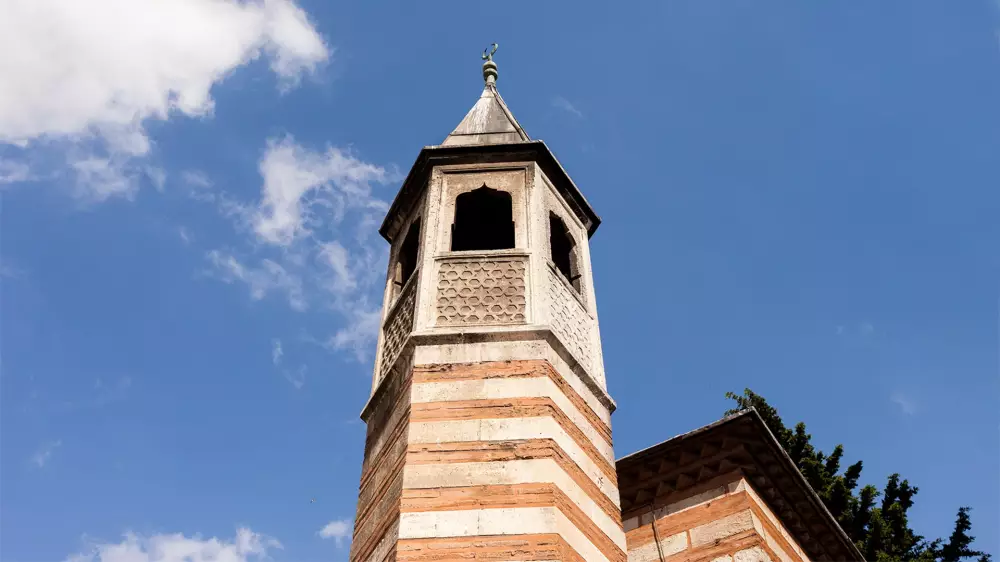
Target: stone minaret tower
489,432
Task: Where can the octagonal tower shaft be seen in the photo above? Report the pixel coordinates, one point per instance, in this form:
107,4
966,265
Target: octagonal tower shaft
489,420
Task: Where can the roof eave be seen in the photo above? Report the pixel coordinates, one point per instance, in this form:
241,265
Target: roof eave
535,150
776,449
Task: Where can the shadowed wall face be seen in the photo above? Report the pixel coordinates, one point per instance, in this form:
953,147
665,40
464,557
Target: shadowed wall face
725,521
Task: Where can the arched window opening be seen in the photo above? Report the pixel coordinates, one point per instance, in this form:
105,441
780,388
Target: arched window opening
406,263
484,220
563,251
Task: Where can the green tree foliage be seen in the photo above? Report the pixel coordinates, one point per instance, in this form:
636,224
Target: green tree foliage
880,529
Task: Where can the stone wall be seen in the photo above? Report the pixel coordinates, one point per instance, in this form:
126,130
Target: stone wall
727,522
488,460
376,522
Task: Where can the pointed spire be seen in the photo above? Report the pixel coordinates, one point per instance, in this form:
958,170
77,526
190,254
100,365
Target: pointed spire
489,121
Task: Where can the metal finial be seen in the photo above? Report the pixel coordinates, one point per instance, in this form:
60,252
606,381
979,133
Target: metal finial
489,67
488,54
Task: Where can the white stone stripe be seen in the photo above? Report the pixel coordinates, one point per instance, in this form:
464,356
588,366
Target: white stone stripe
494,389
451,431
490,522
769,539
527,471
648,552
509,351
744,485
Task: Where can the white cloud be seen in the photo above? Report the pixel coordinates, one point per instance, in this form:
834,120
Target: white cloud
337,530
157,176
269,277
276,351
297,378
905,403
246,545
297,180
12,171
196,179
564,104
44,453
99,178
99,70
336,258
184,234
863,330
361,328
311,235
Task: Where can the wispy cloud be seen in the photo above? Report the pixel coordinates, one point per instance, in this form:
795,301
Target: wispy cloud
295,377
357,334
298,180
12,171
266,277
309,237
338,530
157,176
276,351
176,547
860,330
106,393
43,455
906,403
564,104
10,270
196,179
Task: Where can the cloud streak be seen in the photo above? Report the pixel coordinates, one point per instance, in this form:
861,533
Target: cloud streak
43,455
564,104
262,279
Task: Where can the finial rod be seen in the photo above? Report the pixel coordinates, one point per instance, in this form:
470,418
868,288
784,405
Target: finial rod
490,74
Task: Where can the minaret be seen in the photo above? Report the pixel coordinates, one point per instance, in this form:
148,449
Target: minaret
489,432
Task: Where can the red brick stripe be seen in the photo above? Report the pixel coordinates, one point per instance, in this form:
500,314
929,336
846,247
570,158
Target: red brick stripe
499,451
513,408
510,496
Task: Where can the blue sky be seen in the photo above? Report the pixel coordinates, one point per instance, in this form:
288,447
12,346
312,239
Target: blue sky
797,197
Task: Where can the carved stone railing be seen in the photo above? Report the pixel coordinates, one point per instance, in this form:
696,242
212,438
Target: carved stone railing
398,325
481,290
570,321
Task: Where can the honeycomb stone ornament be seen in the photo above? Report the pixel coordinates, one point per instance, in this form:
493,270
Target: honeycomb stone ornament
481,292
569,320
397,327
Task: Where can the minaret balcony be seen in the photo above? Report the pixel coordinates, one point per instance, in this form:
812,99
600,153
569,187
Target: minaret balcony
475,288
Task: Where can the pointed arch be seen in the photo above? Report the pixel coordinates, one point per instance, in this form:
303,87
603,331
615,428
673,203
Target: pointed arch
406,261
563,251
484,220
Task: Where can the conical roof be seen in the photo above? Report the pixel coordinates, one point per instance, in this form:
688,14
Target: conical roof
490,120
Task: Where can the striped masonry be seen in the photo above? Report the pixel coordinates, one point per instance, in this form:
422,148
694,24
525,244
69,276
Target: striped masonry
488,461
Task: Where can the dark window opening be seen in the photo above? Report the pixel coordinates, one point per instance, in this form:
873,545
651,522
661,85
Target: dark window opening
562,248
484,220
406,263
